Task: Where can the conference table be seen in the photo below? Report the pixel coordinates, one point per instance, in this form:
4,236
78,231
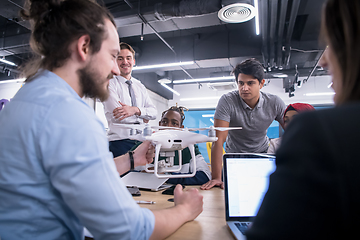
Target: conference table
210,224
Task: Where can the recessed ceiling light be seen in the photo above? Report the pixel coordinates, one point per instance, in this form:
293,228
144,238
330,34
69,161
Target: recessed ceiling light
169,88
163,65
200,99
237,13
280,75
319,94
164,81
7,62
209,79
19,80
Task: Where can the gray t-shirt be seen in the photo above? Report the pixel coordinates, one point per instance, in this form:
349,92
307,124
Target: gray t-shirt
254,122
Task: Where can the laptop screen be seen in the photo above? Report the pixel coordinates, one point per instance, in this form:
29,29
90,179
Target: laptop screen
246,180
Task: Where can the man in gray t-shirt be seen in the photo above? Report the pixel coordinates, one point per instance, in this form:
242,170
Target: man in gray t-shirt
248,108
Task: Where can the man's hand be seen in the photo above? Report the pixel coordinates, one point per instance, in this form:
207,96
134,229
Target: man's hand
191,200
188,205
125,111
212,183
144,154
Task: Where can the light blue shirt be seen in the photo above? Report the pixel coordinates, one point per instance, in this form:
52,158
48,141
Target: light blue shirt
56,172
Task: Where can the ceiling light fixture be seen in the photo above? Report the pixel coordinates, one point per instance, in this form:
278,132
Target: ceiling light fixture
330,84
19,80
207,115
203,79
257,25
7,62
165,81
163,65
170,89
319,94
280,75
236,13
200,99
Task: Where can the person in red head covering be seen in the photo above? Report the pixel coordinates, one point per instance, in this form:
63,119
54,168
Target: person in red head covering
291,110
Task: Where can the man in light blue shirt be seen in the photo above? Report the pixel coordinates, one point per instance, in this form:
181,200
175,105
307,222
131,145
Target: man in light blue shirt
57,174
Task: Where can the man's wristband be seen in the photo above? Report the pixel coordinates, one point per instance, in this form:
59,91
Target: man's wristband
131,155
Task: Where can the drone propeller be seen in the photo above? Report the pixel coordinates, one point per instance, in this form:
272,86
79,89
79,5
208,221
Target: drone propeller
215,128
164,127
142,126
130,126
137,130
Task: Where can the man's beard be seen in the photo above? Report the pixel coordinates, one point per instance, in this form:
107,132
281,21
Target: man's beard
91,83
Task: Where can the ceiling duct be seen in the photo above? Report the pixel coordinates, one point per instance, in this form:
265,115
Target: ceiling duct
236,11
221,74
281,27
222,86
186,8
294,11
277,23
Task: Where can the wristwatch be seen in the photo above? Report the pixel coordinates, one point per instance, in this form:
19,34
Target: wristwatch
131,155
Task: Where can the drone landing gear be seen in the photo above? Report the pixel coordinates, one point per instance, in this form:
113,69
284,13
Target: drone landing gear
167,165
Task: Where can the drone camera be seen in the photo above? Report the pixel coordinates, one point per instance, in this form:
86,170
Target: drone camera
212,133
169,158
167,154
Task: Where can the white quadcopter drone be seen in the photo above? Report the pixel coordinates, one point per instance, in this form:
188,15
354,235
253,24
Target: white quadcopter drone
167,141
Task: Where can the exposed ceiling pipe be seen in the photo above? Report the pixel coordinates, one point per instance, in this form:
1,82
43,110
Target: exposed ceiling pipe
10,10
273,24
263,11
158,35
282,17
186,8
290,28
14,45
164,11
313,69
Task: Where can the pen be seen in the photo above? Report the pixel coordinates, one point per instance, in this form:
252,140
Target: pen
145,202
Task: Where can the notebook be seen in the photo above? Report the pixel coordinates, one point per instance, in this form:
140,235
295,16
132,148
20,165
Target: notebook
145,180
246,180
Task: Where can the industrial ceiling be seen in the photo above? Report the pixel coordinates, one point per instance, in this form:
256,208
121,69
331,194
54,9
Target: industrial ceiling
190,30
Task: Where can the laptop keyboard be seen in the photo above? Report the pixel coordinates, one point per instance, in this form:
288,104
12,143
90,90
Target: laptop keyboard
242,226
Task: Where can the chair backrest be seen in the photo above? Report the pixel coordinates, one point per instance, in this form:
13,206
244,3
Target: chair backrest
3,102
208,147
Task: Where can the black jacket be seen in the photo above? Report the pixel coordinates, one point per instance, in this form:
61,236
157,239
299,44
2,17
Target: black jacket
315,191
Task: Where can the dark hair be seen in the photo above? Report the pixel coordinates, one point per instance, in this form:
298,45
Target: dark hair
56,24
341,31
180,110
250,67
128,47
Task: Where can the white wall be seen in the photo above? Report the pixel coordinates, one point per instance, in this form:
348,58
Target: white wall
161,105
9,89
314,84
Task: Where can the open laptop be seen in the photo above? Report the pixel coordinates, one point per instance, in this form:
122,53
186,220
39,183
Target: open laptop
145,180
246,180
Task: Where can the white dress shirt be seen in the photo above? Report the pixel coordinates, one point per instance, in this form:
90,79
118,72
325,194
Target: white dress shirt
119,91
